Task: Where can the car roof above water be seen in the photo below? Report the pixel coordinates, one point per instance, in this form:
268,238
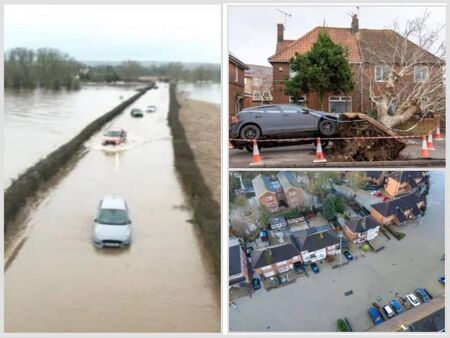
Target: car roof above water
113,202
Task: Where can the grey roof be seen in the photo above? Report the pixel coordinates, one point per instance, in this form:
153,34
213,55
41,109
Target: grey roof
313,239
258,71
262,184
273,255
235,260
362,224
287,180
409,177
234,60
406,202
276,219
374,174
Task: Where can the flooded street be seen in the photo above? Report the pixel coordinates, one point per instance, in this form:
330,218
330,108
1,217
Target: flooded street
60,282
39,121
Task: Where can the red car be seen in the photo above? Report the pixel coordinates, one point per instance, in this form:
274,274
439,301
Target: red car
385,198
114,137
378,194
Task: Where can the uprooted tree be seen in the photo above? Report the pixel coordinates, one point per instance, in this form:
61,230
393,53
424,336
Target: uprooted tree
408,79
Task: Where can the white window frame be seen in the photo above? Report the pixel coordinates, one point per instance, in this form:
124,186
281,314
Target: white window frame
334,98
301,101
416,69
382,69
236,73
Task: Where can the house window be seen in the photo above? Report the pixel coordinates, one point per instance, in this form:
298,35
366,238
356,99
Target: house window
301,100
236,74
340,104
381,73
255,95
420,73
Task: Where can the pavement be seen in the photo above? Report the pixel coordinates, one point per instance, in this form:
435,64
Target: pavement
314,304
303,155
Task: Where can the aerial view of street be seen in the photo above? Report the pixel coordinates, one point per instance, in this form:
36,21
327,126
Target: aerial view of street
101,231
336,251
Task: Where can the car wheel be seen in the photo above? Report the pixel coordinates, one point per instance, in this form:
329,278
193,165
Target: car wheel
327,127
250,132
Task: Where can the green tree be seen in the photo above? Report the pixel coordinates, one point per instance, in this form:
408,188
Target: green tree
264,215
339,204
328,208
356,180
324,68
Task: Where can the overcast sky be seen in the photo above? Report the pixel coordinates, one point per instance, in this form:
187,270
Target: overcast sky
252,31
118,32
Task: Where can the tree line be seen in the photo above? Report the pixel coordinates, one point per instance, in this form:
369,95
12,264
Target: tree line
51,69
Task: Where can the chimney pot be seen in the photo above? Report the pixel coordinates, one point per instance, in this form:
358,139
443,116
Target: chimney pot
355,23
280,32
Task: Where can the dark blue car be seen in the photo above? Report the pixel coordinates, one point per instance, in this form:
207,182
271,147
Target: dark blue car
375,315
256,284
395,304
423,294
348,255
315,268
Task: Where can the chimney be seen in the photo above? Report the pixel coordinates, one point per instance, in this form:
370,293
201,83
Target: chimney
355,23
280,32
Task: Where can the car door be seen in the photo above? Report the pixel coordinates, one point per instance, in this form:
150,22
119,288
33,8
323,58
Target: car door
298,121
269,118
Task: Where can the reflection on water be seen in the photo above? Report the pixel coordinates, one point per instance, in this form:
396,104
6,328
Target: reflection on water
59,282
39,121
210,92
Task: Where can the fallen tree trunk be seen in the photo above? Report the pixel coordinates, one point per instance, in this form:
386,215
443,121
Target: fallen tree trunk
364,149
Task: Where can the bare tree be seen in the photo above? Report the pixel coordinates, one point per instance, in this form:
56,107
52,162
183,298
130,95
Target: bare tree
410,62
244,217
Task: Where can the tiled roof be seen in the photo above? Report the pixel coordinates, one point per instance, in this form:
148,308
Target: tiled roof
406,202
273,255
379,45
340,36
374,174
287,180
235,260
313,239
362,224
407,176
262,72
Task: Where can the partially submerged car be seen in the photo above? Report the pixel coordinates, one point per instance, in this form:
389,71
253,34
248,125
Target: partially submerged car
136,112
150,109
114,137
112,225
281,122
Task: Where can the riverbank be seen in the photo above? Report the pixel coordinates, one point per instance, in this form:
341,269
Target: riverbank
195,129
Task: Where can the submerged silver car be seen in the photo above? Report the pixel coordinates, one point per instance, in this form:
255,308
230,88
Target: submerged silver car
112,226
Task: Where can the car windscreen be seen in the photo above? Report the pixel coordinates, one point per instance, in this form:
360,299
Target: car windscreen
112,217
113,133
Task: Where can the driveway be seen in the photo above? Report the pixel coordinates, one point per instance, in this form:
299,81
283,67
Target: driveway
316,302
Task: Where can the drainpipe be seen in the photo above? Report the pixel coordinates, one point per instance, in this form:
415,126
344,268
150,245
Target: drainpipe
361,84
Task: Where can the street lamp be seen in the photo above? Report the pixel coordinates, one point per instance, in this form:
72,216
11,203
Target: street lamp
340,249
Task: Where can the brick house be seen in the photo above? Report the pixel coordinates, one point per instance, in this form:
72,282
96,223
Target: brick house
375,178
315,244
361,229
258,83
238,268
367,69
403,182
277,222
237,99
267,193
397,211
293,193
274,260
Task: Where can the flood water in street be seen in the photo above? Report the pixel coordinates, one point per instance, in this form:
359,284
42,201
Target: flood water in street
59,282
39,121
209,92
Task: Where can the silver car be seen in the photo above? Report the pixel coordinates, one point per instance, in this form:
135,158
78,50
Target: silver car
112,226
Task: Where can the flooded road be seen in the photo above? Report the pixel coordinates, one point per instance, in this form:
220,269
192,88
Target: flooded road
39,121
59,282
209,92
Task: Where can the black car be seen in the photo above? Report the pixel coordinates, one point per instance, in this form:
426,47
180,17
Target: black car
136,112
298,267
348,255
256,283
281,122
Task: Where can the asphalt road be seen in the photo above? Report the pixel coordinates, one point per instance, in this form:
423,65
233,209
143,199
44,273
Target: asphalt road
314,303
59,282
302,156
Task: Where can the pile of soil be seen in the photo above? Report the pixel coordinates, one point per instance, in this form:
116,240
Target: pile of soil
364,149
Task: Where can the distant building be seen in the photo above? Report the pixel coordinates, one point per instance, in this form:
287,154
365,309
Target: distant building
275,260
277,222
238,269
293,193
403,182
236,93
258,83
398,210
267,192
361,229
375,178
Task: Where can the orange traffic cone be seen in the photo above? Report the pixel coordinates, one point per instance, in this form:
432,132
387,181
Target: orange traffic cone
430,142
424,151
319,153
438,136
256,160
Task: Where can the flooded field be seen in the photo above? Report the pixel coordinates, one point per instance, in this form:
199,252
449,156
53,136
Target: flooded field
59,282
39,121
209,92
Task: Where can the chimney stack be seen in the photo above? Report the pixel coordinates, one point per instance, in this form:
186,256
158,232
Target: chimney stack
355,23
280,32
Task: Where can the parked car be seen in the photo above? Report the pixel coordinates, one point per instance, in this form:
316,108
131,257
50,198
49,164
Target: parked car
315,268
413,300
112,225
388,311
423,294
375,315
298,267
114,137
136,112
442,280
374,193
281,121
371,188
385,198
256,283
395,304
348,255
378,194
150,109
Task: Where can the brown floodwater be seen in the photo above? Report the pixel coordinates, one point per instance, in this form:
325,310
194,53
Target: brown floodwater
59,282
